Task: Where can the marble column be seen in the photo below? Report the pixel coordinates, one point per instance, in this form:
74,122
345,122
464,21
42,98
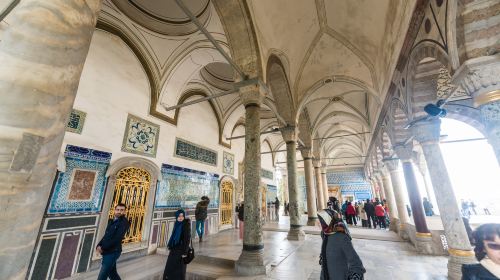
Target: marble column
480,78
390,200
325,184
42,53
290,134
312,214
424,237
251,261
427,133
397,184
319,186
381,186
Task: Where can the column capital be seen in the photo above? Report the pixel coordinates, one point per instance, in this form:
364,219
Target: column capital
480,78
391,163
252,95
404,152
427,132
289,133
317,163
306,153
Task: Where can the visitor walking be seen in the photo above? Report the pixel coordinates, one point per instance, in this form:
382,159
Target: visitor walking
472,206
344,210
287,208
110,246
380,213
487,249
338,258
277,209
370,213
200,214
465,209
351,214
428,207
241,216
178,244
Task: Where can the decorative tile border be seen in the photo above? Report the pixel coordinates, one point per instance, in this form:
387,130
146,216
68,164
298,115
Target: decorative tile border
182,188
81,187
268,174
228,163
188,150
140,137
76,121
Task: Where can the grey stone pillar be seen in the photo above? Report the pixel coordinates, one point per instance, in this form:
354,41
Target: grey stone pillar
251,261
312,214
290,136
397,184
324,184
480,78
42,53
378,178
423,235
391,201
427,133
319,186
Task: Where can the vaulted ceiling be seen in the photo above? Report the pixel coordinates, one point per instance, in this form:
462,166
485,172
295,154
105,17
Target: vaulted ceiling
337,55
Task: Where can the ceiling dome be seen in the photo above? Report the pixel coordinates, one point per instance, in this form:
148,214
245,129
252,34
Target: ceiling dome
219,75
165,16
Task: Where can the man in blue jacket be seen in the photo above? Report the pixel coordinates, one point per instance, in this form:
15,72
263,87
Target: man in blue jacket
110,246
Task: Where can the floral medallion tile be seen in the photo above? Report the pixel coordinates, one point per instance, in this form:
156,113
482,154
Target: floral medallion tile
228,163
141,137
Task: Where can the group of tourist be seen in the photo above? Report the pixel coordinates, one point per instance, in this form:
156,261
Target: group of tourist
369,212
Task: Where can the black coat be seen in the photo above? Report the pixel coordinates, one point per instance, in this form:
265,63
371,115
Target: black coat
369,209
476,272
112,239
175,268
201,211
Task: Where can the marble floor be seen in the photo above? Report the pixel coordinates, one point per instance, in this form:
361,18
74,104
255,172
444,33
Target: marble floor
289,260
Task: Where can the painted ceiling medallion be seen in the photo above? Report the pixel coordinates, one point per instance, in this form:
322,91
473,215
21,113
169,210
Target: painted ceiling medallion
165,17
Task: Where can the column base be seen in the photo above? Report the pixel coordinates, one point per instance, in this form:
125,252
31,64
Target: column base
251,263
456,260
403,232
311,221
394,226
296,233
424,243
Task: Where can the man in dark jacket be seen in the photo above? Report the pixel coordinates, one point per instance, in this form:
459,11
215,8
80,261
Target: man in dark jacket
277,208
200,214
370,213
110,246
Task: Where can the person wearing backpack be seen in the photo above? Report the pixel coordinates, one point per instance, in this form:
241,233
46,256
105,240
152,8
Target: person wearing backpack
178,244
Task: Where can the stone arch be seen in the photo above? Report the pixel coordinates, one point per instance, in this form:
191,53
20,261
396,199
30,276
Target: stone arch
399,119
237,22
466,113
280,88
387,150
190,93
113,170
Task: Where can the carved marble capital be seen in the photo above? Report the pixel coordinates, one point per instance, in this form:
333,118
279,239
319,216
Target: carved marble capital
252,94
306,153
404,152
289,133
392,164
427,132
480,78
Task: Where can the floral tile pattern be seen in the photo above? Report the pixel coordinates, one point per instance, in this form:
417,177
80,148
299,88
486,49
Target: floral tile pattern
187,150
268,174
76,121
141,137
183,187
81,187
228,163
351,182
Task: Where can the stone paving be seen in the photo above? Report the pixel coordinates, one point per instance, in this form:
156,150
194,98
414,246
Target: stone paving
290,259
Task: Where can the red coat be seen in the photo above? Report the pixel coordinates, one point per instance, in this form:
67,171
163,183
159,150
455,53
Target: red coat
379,211
351,210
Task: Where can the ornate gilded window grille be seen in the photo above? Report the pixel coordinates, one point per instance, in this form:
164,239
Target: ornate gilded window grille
226,204
132,186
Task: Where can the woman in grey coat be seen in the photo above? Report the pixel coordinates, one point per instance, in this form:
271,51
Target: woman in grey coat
338,258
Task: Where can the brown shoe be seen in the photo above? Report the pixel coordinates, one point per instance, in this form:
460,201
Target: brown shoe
201,239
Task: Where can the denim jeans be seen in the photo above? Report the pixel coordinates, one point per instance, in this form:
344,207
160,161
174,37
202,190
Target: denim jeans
108,267
200,227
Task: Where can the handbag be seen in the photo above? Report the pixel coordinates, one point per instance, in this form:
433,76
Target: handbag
190,254
354,276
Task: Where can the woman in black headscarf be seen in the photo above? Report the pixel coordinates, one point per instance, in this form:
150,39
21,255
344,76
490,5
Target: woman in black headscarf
178,244
338,258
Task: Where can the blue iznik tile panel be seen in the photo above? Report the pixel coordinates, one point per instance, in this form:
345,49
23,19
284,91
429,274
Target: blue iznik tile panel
81,187
268,174
141,136
272,193
351,182
183,187
187,150
76,121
